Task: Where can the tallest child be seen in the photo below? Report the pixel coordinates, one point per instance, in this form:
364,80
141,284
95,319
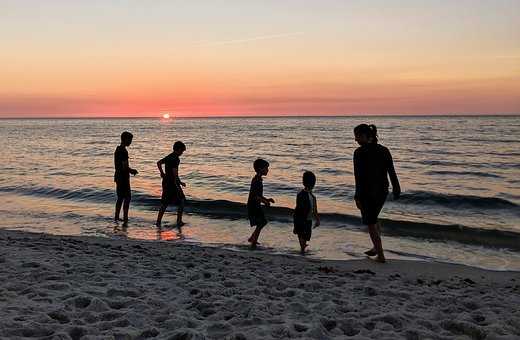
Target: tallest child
122,177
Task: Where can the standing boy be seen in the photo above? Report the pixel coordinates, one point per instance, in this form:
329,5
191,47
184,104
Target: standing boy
122,176
256,198
171,184
306,210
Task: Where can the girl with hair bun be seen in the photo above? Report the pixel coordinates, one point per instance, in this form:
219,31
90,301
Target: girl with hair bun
373,165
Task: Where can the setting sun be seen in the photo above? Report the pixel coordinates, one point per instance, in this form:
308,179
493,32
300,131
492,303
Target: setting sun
166,116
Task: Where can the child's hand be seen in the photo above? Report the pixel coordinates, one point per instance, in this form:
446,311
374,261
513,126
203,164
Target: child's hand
271,200
133,172
317,224
183,184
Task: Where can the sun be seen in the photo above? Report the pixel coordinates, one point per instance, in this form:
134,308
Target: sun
166,115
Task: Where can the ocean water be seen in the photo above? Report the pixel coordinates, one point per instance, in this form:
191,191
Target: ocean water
460,178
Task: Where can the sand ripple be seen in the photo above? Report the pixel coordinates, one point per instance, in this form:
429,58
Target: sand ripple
87,288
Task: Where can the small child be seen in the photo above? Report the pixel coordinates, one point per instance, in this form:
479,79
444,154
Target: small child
171,184
122,177
256,198
306,209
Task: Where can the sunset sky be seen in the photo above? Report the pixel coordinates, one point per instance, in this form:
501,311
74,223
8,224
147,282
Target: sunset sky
282,57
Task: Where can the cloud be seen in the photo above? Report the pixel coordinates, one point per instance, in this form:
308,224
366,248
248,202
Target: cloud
37,105
246,40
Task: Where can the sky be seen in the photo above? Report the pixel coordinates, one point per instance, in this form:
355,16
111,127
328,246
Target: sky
281,57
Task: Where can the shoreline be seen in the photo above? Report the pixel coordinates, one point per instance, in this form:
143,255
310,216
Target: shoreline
72,287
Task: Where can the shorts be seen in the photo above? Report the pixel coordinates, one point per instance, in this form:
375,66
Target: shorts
256,217
371,207
172,194
123,189
303,229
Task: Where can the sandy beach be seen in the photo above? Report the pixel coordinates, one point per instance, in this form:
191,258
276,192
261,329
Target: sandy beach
61,287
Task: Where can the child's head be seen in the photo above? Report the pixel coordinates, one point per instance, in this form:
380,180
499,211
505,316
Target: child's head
365,134
309,180
126,138
261,166
179,147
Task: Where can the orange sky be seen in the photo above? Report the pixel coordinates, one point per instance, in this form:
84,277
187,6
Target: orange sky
259,58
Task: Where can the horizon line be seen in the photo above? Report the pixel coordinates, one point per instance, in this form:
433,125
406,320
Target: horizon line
272,116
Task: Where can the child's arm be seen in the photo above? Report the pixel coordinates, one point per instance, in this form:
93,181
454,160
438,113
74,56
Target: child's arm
315,213
127,167
266,201
396,188
357,177
175,174
159,166
130,170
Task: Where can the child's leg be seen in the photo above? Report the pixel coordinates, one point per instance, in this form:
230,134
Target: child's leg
180,210
303,244
126,206
254,236
162,209
373,251
376,240
119,203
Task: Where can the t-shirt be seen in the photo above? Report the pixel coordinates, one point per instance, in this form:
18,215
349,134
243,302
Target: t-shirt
256,190
120,156
305,206
171,162
372,165
312,201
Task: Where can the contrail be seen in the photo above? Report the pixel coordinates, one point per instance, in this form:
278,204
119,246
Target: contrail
238,41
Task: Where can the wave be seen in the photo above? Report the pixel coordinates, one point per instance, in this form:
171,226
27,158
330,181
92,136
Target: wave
484,165
237,210
456,201
463,173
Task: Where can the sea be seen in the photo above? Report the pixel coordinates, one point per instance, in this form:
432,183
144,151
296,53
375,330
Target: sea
460,178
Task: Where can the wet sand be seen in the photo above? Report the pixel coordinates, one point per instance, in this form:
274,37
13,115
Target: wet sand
63,287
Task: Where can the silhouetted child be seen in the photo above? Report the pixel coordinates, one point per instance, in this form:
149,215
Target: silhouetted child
306,210
256,198
373,165
171,184
122,177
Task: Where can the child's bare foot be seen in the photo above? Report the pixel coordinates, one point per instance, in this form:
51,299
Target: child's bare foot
180,223
117,219
253,242
380,259
371,252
